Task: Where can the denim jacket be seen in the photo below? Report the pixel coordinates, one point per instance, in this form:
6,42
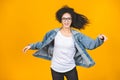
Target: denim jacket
81,41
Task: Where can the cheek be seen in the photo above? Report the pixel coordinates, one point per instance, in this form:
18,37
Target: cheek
70,22
62,22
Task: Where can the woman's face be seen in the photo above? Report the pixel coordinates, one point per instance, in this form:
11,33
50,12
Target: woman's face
66,20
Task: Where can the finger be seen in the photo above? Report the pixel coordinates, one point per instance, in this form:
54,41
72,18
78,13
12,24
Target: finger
105,38
24,50
100,36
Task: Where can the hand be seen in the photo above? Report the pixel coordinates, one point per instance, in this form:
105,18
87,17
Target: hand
102,37
26,48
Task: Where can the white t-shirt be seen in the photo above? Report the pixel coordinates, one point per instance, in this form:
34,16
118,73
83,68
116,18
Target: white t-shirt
63,54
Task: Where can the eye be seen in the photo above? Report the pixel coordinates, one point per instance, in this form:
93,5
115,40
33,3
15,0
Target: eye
63,18
69,18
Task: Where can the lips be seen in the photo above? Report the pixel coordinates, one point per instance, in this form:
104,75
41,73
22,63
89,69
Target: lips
66,24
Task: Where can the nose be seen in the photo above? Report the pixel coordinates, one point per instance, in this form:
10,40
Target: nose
66,21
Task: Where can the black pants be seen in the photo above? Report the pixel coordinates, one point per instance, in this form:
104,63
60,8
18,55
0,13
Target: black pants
70,75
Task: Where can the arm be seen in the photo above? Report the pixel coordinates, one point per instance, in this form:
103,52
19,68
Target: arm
90,43
34,46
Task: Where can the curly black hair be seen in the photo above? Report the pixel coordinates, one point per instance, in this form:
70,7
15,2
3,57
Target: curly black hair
78,20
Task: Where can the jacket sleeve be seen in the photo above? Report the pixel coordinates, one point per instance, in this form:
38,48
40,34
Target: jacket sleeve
38,45
90,43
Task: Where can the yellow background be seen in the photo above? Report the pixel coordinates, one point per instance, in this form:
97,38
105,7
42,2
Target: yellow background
26,21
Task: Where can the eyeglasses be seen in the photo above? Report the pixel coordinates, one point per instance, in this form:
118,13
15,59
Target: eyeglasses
68,19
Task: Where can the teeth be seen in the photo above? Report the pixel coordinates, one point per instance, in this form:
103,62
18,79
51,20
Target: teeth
66,24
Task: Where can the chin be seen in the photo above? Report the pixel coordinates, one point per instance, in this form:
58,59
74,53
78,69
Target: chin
67,26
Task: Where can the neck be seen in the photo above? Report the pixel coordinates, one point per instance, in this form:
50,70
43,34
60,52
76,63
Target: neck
67,30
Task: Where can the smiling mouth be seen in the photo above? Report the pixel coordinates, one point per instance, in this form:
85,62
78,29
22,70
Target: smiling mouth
66,24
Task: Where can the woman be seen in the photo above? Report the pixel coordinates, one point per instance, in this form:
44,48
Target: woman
65,47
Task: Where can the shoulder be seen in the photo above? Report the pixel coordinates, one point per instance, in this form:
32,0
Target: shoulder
53,31
76,32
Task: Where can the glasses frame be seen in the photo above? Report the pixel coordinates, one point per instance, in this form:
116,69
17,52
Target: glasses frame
66,19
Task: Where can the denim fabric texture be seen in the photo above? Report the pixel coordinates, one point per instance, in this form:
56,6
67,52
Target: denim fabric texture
81,41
